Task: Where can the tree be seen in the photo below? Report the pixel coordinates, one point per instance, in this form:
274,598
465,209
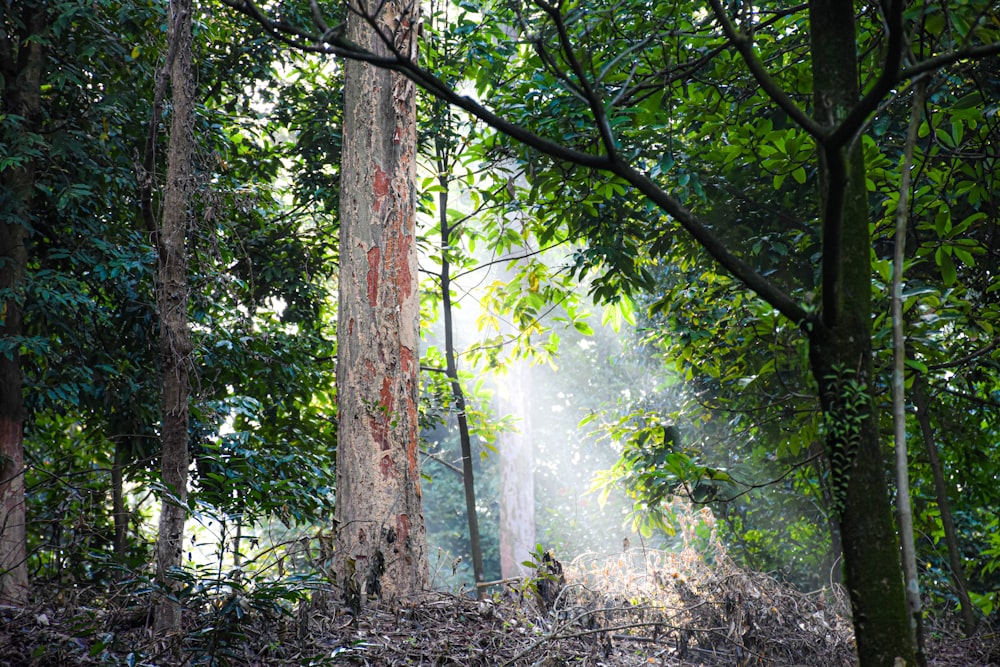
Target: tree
381,545
904,509
517,473
22,66
172,305
591,77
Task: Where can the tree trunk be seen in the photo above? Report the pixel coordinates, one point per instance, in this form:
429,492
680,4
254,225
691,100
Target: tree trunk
381,540
841,358
904,509
458,394
119,510
969,620
172,302
517,474
22,62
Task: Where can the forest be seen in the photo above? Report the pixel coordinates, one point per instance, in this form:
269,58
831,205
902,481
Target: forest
500,332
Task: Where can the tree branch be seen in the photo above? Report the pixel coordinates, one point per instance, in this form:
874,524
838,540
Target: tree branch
742,271
945,59
858,115
592,99
612,163
744,45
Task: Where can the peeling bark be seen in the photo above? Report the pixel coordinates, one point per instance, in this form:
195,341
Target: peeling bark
381,543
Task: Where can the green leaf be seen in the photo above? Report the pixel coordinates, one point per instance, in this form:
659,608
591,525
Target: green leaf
965,256
947,266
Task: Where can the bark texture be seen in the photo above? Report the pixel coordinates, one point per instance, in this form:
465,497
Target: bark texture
841,358
381,540
22,62
172,302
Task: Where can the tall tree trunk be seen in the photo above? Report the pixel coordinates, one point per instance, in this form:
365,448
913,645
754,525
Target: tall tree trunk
381,540
517,474
969,620
841,357
172,302
22,62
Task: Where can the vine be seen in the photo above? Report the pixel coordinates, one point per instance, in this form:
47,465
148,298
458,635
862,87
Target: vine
842,419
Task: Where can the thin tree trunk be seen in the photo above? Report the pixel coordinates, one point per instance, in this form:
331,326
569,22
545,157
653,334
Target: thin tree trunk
119,511
904,510
22,62
172,302
969,620
381,539
468,475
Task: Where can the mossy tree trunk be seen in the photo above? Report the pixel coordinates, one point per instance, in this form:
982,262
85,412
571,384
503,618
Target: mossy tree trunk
841,355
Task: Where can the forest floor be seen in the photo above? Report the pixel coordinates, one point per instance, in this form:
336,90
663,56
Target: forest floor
656,608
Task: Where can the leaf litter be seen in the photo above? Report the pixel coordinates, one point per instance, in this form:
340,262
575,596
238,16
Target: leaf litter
640,607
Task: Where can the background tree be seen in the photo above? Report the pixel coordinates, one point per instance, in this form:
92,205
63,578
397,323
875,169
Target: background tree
172,307
22,64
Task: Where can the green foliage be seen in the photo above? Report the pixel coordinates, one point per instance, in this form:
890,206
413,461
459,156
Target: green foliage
709,363
654,466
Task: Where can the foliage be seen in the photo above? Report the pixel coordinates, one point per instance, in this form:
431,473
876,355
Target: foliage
713,397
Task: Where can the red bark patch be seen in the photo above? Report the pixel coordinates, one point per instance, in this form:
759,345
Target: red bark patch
374,260
403,266
382,182
380,432
386,465
406,357
402,527
385,395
